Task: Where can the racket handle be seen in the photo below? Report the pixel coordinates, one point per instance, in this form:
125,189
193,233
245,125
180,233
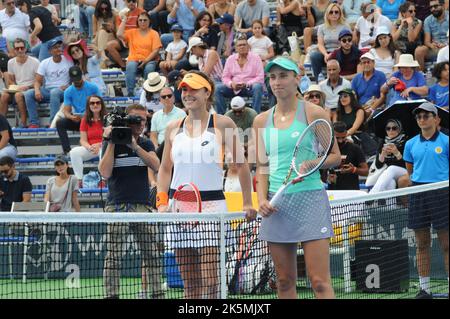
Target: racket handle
276,198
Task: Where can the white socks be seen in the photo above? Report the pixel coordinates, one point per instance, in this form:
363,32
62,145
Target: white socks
425,284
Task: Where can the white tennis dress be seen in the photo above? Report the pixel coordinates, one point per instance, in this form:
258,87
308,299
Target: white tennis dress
198,160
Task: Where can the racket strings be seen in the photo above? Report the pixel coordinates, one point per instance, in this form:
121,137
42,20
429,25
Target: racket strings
316,144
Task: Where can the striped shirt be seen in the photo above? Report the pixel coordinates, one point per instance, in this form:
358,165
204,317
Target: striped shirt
217,70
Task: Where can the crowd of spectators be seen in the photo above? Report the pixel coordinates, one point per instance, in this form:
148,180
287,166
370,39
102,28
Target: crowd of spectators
363,56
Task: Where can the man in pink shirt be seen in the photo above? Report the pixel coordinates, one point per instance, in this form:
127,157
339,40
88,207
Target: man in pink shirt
242,75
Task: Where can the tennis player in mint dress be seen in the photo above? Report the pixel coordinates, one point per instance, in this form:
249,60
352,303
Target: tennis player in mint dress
304,215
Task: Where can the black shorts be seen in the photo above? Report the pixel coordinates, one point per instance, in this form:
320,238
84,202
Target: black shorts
428,208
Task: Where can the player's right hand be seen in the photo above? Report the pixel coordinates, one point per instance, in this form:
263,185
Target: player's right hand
266,209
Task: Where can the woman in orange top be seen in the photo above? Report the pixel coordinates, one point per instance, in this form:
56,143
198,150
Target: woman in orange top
144,44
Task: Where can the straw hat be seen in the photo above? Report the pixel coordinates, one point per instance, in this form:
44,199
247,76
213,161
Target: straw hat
315,88
407,61
154,82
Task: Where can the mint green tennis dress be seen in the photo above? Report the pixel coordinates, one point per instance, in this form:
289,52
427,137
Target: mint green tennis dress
304,213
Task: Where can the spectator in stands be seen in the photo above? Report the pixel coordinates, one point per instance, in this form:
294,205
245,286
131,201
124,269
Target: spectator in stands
8,145
62,190
225,46
261,44
367,25
144,44
208,60
184,13
390,8
422,9
248,11
353,163
352,9
104,25
116,48
20,77
174,51
389,154
151,92
221,7
439,92
125,167
333,85
205,30
174,78
349,111
367,85
243,117
75,104
91,130
407,30
289,19
384,51
428,167
243,75
42,29
14,24
162,117
158,14
231,176
436,28
315,95
86,10
347,55
52,79
406,84
14,186
50,7
89,65
317,9
327,38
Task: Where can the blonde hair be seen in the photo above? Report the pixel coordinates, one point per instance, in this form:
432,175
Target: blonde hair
327,13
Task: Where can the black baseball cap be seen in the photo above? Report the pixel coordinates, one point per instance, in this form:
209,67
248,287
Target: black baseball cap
75,73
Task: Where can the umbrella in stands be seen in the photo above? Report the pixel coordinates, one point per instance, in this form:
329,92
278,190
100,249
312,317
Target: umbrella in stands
402,111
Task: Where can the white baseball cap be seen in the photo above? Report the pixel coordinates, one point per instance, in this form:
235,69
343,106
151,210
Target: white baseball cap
237,103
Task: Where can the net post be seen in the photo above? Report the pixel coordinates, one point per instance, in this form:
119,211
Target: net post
223,285
346,256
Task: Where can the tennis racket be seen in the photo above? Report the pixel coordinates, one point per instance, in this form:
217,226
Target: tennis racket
187,199
310,152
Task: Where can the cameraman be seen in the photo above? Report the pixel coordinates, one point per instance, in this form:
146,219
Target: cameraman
125,168
353,163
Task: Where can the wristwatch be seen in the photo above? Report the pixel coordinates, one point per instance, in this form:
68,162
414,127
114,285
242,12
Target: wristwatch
192,8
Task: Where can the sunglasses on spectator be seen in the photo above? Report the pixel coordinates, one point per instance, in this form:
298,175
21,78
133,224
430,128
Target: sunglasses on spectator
435,6
164,97
366,62
314,96
411,11
371,31
19,48
335,12
142,20
104,8
346,40
423,116
391,128
95,102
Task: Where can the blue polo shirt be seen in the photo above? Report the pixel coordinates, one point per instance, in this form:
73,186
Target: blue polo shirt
76,98
430,158
366,89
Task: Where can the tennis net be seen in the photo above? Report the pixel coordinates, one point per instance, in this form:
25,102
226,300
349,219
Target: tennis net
152,255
